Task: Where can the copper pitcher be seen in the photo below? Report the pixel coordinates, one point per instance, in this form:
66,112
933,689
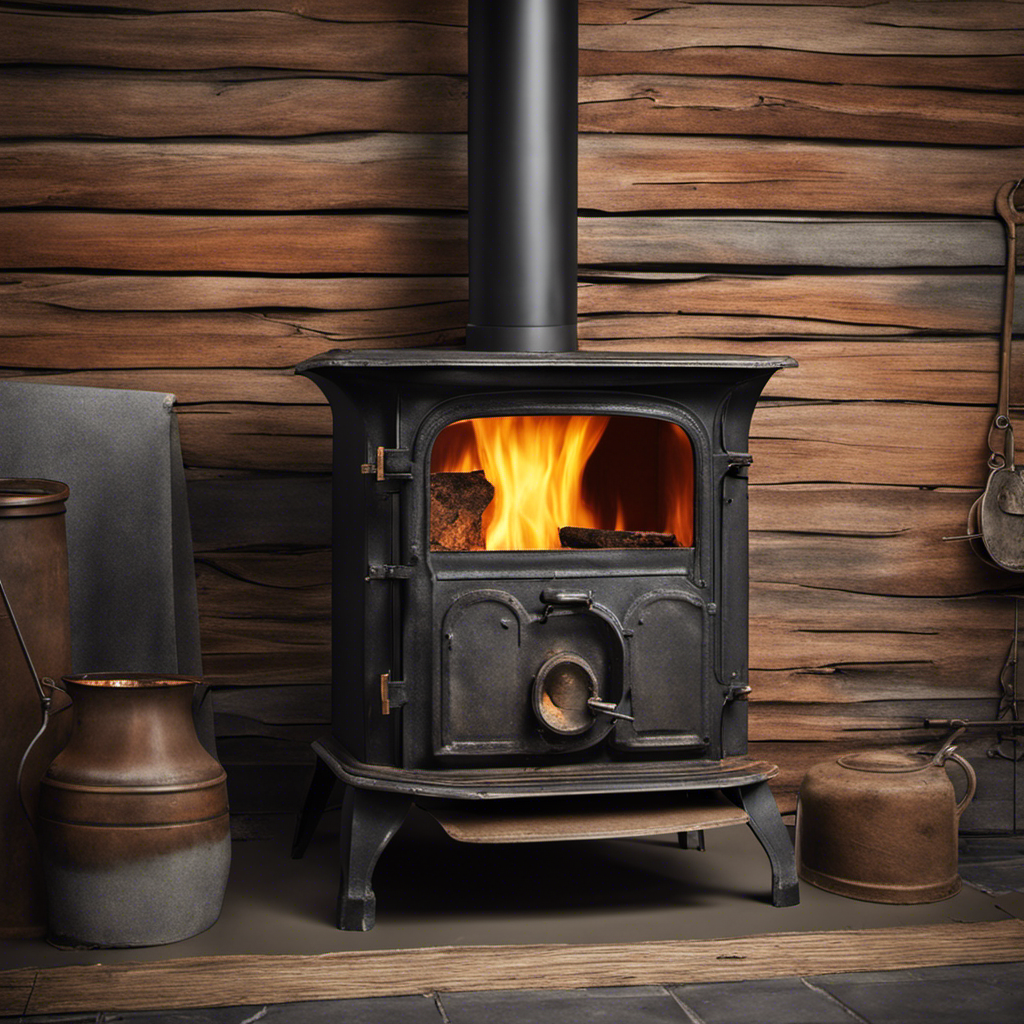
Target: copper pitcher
881,825
133,817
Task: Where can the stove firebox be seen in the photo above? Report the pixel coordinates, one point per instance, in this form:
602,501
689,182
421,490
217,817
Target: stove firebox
577,629
483,675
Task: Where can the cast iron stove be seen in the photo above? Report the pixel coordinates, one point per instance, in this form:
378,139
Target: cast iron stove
595,673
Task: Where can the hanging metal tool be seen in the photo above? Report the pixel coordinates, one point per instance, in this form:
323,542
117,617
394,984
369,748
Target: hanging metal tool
995,524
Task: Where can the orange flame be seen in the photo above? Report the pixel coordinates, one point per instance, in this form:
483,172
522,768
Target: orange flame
537,463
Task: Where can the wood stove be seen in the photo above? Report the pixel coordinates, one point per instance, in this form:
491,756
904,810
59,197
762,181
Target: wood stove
540,555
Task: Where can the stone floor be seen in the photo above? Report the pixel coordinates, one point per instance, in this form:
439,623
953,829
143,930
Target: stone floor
978,994
432,892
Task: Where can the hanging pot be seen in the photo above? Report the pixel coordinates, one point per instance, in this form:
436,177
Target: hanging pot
133,817
35,647
881,825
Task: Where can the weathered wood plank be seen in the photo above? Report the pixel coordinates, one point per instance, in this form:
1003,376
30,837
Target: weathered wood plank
868,540
68,102
287,244
235,980
284,39
969,302
839,241
814,644
870,443
981,73
428,171
294,438
953,30
848,47
358,243
214,39
872,724
704,105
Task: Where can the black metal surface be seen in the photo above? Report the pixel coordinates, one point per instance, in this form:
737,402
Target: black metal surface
403,609
513,783
522,175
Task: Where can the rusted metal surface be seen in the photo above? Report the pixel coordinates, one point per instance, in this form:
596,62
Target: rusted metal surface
34,571
133,817
881,825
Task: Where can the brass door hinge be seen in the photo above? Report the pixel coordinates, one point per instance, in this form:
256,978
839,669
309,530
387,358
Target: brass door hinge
392,693
391,464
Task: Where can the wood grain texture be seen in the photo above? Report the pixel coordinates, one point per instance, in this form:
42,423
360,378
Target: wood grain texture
325,244
619,172
241,980
41,102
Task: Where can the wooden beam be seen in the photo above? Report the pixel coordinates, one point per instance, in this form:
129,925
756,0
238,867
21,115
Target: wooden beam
420,170
247,980
37,102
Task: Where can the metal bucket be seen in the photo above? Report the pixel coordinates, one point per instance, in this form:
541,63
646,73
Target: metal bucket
34,579
133,817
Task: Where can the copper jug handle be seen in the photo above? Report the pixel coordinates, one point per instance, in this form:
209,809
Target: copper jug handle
948,753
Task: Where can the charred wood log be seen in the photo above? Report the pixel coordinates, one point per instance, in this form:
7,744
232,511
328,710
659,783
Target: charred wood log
584,537
457,503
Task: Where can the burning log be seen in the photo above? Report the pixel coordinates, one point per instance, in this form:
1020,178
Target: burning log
583,537
457,503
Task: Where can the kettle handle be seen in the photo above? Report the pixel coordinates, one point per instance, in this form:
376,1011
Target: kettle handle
972,781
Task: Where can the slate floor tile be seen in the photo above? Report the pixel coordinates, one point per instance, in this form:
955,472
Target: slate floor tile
638,1005
969,994
383,1010
774,1001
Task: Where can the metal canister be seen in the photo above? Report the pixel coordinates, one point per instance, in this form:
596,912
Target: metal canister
133,817
34,576
881,825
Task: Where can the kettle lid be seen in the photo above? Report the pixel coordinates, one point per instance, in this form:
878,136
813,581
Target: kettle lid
889,761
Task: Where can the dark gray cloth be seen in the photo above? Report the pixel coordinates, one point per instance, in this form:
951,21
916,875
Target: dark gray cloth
133,588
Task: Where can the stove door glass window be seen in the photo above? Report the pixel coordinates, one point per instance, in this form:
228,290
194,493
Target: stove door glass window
529,483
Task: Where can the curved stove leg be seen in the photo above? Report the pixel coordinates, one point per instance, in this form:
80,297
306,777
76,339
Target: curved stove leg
369,820
766,823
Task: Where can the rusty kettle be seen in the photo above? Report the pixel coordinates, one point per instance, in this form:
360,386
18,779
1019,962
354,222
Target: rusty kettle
881,825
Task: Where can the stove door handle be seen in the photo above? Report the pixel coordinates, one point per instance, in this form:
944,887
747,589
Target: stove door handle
559,597
606,707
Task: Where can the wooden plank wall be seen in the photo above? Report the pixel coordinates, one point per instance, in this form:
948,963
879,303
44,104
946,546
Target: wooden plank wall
195,196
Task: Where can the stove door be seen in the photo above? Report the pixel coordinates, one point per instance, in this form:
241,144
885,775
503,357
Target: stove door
668,666
513,674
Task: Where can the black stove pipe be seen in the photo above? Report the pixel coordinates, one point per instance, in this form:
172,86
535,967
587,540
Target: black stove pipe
522,175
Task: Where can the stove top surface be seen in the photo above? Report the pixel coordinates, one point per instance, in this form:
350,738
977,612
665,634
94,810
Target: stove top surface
456,358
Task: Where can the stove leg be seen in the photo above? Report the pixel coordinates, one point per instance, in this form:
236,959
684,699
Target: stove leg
766,823
369,820
320,789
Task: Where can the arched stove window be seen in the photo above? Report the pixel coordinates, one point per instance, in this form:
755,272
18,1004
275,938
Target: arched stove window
527,483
